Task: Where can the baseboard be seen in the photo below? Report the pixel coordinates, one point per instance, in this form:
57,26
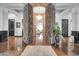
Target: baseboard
18,36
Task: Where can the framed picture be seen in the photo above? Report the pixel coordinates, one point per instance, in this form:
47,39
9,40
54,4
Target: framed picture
18,25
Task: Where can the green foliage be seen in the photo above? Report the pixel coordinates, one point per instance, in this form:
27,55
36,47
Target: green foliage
57,32
56,29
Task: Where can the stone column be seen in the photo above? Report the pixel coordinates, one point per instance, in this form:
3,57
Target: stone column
50,21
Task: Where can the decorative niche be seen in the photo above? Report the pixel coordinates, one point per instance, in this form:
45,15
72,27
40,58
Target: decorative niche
18,25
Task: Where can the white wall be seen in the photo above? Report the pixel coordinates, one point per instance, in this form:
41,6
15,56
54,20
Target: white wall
75,19
66,15
18,31
5,15
3,19
58,19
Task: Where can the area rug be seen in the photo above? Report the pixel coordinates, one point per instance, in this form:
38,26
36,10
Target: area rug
38,51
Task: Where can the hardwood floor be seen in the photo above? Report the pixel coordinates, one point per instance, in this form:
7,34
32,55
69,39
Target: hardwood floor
14,47
43,42
3,47
11,43
58,51
69,48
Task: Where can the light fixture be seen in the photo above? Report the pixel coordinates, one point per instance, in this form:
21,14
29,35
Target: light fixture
39,10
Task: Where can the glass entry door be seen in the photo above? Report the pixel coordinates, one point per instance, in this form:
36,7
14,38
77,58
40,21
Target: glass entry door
39,29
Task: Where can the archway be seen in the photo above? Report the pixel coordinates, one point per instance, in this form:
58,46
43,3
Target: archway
30,21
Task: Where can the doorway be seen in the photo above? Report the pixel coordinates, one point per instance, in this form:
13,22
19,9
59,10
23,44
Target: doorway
65,27
11,27
39,29
31,11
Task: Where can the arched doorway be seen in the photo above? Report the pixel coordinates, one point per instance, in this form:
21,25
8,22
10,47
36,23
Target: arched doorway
31,21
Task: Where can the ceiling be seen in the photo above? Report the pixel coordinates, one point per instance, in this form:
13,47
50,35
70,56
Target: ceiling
18,7
39,9
63,6
39,4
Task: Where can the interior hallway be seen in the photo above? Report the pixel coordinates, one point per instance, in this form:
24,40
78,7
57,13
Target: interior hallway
21,39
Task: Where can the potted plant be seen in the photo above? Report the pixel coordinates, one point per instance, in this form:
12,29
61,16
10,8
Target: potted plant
58,34
56,29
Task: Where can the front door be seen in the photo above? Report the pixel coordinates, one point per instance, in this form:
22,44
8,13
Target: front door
39,29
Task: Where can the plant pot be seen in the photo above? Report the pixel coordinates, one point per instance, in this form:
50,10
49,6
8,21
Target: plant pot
60,44
57,39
